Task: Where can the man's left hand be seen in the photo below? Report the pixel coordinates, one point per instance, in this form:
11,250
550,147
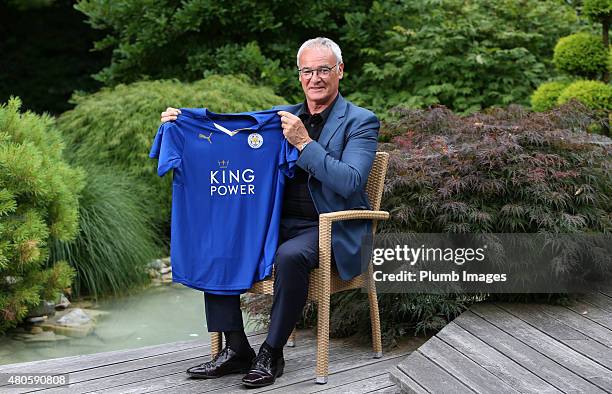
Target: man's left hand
293,129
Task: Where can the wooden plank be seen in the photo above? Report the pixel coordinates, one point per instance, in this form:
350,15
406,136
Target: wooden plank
539,320
131,373
393,389
360,386
110,368
591,312
405,382
563,333
587,327
79,363
493,361
302,371
137,370
463,368
86,361
179,380
555,374
598,300
12,390
562,353
430,376
359,377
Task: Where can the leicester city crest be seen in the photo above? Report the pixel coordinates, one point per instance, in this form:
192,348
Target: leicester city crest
255,140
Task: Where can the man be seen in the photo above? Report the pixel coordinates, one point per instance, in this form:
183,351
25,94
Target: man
337,143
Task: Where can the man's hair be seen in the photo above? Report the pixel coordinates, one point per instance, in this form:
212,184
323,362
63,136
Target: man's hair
321,42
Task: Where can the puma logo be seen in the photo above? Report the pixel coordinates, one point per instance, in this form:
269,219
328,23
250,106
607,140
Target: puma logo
205,137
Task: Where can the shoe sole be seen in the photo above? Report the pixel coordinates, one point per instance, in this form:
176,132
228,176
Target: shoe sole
196,376
264,384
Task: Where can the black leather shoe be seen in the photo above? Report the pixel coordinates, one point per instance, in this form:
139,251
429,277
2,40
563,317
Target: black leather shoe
225,363
265,369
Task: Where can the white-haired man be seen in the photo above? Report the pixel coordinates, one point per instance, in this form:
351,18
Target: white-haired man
337,142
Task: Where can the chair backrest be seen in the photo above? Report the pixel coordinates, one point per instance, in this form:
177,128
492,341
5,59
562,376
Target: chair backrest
376,180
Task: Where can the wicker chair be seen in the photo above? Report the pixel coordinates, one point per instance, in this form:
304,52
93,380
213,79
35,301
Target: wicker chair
325,281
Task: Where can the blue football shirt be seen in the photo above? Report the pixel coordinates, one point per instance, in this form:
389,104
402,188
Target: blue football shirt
228,181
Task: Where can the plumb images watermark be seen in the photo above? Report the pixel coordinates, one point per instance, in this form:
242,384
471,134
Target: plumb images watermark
429,276
33,380
490,263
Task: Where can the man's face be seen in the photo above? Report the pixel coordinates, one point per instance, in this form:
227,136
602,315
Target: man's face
320,90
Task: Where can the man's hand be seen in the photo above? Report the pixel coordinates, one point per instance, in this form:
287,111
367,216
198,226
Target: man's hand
170,114
294,130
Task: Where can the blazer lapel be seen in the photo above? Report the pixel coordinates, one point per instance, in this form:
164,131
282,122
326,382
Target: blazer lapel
336,117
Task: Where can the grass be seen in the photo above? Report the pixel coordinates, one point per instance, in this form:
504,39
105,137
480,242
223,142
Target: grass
117,238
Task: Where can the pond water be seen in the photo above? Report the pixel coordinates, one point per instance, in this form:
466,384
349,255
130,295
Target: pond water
157,315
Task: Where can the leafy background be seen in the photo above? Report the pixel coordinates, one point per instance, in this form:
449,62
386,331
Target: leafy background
453,81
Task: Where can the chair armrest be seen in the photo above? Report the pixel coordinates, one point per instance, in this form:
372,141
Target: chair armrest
353,214
325,230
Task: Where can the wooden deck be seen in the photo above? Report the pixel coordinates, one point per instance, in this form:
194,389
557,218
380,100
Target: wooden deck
492,348
510,348
161,369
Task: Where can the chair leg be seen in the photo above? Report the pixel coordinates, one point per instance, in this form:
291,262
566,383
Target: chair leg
374,318
216,343
291,340
322,369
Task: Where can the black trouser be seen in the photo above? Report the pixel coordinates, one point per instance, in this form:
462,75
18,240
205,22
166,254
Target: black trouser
296,256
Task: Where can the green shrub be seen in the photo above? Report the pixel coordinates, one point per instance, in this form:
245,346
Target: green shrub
117,238
178,39
115,127
546,95
38,202
597,10
581,54
466,55
505,171
595,95
401,315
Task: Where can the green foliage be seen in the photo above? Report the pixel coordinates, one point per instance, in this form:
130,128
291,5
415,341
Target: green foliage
400,314
465,55
502,172
38,201
546,95
595,95
117,237
597,10
157,39
581,54
115,126
248,60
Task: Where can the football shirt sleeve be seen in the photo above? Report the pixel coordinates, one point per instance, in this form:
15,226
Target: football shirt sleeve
287,158
167,147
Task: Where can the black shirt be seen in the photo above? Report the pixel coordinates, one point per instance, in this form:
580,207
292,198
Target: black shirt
297,201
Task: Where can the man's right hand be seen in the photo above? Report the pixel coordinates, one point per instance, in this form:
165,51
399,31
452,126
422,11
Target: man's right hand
169,114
